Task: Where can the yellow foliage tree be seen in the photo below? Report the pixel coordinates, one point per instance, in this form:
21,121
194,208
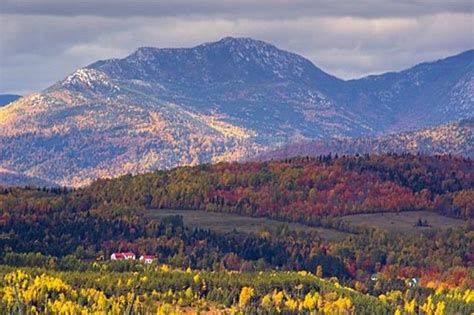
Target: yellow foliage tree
440,306
428,306
246,295
409,307
291,304
267,301
278,299
311,301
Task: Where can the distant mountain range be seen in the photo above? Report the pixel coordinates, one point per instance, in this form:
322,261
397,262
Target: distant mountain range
227,100
454,138
12,178
8,98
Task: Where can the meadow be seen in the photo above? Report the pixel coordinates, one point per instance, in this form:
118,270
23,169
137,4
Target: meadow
404,222
226,222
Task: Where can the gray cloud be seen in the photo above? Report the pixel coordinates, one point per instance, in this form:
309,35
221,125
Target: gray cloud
241,8
44,40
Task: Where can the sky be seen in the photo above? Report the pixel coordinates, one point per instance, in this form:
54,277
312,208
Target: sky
42,41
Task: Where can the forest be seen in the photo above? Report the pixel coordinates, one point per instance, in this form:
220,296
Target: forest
55,243
165,290
304,189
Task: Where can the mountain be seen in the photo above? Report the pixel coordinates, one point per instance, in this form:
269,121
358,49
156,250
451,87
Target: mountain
12,178
6,99
227,100
70,137
454,138
428,94
246,82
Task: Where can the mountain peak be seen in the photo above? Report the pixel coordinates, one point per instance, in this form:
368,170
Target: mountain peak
246,42
252,50
231,39
225,100
232,43
230,60
232,46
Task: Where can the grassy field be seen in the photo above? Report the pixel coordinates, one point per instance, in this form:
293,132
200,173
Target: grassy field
225,222
403,222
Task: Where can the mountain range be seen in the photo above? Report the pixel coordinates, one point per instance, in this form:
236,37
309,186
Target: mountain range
13,178
456,138
8,98
226,100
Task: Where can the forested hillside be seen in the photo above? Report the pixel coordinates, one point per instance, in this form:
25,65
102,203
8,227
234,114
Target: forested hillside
163,290
456,138
74,235
304,189
50,235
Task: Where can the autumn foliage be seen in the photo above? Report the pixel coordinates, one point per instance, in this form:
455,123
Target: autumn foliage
304,189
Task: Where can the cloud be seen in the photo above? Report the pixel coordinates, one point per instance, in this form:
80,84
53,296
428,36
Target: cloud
44,40
236,9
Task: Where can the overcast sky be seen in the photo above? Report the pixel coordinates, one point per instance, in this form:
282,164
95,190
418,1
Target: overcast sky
41,41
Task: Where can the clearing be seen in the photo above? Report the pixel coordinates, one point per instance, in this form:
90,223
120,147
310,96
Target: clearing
226,222
404,222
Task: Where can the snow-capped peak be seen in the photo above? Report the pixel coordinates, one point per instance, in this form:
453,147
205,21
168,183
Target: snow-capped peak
89,78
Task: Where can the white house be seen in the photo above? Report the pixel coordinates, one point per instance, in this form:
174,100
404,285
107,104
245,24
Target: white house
123,256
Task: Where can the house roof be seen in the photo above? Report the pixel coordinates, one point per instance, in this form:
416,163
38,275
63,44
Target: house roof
124,254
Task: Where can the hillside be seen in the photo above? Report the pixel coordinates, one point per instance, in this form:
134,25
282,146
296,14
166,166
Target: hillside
72,144
227,100
425,95
303,190
65,237
453,138
12,178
